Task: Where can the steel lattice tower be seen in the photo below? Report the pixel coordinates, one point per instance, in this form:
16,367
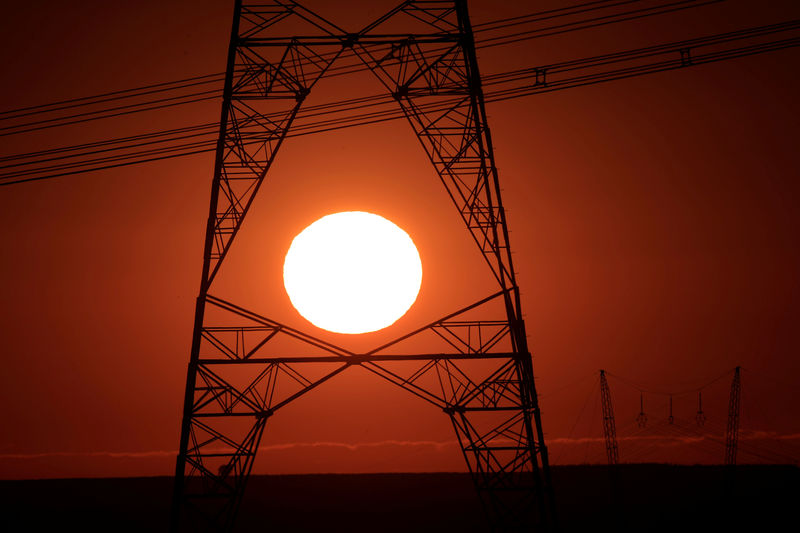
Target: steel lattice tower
732,430
609,425
238,377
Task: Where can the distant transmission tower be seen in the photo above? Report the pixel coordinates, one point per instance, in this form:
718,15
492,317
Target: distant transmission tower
734,406
478,370
641,418
700,417
670,418
609,425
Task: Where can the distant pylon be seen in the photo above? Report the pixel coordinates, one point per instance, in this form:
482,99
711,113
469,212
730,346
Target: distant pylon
641,418
670,419
700,417
609,426
734,406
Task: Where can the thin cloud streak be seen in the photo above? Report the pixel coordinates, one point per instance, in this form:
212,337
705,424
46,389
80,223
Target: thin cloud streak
436,445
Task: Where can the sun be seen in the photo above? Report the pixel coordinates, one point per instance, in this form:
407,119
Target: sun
352,272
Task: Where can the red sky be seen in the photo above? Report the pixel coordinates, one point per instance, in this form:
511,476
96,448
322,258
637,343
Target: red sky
654,223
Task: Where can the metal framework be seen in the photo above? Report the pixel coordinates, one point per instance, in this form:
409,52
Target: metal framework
479,369
641,418
732,432
609,425
700,417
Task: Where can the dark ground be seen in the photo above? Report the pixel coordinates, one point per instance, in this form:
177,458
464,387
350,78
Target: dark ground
652,498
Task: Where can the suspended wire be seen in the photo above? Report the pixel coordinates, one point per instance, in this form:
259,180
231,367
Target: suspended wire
320,126
791,386
670,393
124,93
769,448
703,442
768,444
595,22
110,166
556,67
341,69
551,13
768,455
113,158
518,75
491,96
109,142
108,113
592,394
595,412
373,109
219,76
358,120
636,443
568,385
650,440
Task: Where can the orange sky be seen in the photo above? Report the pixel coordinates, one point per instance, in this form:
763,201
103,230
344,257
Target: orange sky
653,221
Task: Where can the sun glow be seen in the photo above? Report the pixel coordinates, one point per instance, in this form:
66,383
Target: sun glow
352,272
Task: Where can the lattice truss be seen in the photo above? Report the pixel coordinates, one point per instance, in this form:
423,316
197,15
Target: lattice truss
474,364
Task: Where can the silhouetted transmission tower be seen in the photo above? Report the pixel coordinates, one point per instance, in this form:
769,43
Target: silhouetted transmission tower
239,376
734,407
609,425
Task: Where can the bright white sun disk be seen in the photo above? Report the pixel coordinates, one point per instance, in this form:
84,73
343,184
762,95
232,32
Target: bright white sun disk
352,272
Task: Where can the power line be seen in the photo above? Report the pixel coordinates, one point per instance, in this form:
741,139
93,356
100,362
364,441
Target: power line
551,13
110,112
670,393
381,108
116,95
595,22
107,142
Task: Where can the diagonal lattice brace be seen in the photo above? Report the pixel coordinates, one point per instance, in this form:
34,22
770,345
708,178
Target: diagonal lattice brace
227,424
218,470
424,77
472,336
456,321
264,89
255,318
502,468
238,342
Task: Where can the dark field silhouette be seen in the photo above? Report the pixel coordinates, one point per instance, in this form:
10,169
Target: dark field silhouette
651,498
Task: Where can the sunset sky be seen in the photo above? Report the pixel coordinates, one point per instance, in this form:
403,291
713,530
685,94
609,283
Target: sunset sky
654,223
